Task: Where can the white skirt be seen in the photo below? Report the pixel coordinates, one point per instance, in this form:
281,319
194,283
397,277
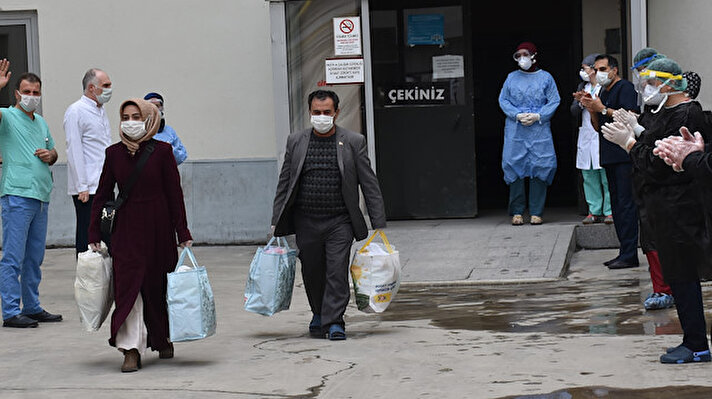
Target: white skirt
133,333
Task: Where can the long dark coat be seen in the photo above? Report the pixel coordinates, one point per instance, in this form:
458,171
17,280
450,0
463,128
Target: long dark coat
672,199
143,244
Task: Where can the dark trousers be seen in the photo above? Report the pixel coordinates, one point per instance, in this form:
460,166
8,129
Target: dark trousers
517,197
83,213
324,249
625,212
688,302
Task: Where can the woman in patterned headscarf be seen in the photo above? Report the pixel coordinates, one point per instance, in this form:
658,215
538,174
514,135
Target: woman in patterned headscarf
694,82
143,243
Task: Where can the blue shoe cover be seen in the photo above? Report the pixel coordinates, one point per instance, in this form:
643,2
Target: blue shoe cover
658,300
315,327
683,355
336,332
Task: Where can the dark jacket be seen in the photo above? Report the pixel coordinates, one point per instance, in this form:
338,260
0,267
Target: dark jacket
671,199
621,95
355,167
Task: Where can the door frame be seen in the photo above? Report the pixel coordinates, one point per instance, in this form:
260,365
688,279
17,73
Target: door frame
29,20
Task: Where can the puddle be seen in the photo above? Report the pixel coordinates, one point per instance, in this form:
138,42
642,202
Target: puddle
683,392
567,307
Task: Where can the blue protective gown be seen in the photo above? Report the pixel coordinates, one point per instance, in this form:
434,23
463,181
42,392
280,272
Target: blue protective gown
528,150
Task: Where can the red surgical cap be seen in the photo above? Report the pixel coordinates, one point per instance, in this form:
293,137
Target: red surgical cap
529,46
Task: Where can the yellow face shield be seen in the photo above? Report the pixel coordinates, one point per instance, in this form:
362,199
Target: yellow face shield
650,74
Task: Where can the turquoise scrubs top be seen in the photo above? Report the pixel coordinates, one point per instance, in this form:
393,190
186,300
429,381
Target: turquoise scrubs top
23,173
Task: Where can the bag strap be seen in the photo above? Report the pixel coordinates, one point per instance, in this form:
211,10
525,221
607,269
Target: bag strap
123,194
281,242
181,258
383,238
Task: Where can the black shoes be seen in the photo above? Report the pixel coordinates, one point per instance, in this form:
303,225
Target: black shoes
620,264
20,321
45,317
608,262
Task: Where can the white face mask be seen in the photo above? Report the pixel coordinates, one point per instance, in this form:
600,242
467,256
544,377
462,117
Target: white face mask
602,78
584,76
525,63
133,129
322,123
652,95
105,95
29,103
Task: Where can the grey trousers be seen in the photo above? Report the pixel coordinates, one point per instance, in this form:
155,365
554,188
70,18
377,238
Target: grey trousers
324,249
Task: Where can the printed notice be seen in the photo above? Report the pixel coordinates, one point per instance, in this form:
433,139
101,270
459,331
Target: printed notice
347,36
344,71
448,66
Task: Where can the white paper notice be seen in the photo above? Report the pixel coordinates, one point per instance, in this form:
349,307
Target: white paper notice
344,70
347,36
448,66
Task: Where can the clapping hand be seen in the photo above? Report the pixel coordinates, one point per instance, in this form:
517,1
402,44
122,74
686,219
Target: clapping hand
674,149
619,133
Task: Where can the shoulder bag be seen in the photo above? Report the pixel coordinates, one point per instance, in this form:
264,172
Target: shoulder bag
108,212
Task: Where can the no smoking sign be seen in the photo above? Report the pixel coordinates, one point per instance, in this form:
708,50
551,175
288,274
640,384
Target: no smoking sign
347,36
346,26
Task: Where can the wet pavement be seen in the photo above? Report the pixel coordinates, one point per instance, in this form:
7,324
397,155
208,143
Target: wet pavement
586,336
567,307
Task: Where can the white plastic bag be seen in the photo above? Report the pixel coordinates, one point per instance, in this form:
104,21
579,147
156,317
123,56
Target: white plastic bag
93,289
376,274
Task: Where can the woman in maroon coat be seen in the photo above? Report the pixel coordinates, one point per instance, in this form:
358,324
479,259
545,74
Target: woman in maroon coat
143,243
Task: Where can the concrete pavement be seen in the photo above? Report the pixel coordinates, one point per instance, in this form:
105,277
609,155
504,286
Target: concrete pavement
435,341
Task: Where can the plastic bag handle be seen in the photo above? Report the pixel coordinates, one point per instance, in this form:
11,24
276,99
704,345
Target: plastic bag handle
281,242
181,258
383,238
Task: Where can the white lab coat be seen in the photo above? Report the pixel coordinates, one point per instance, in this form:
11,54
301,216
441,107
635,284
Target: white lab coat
587,154
88,134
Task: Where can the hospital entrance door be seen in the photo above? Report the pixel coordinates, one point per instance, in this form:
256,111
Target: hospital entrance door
424,135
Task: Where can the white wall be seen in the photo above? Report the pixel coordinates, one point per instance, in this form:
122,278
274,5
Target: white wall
210,60
681,30
597,16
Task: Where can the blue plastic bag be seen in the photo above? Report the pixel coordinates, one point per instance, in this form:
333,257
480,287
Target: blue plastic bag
271,279
191,306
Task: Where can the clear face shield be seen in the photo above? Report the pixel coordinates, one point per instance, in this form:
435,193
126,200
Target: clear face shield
519,54
638,81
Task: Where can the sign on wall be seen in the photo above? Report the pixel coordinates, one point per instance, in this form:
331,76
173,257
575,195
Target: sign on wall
448,66
347,36
426,29
423,93
344,71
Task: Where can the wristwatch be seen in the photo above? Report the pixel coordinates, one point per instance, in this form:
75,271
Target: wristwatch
605,111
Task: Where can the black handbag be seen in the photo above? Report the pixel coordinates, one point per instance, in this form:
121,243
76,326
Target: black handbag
108,211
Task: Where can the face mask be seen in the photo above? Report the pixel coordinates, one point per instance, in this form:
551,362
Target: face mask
105,95
652,95
525,63
29,103
602,78
584,76
133,129
322,123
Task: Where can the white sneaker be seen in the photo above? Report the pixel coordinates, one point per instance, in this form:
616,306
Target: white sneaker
517,220
536,220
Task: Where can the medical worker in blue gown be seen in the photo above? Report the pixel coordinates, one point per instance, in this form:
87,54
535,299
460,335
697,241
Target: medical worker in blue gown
529,99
